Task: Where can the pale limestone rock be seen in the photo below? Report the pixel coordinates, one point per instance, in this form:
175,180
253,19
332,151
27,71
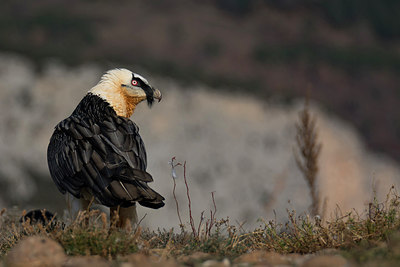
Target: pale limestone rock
86,261
326,261
264,258
36,251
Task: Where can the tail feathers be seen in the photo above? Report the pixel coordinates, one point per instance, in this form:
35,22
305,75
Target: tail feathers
128,175
152,205
138,191
155,203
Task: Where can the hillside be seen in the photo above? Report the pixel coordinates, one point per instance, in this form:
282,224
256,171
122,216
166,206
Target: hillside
346,52
233,74
234,145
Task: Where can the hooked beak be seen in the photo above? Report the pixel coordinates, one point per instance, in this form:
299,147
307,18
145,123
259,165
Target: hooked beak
157,94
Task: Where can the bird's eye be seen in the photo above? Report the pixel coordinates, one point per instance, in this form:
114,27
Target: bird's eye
134,82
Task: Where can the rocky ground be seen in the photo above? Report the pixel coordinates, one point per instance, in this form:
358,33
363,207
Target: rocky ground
41,251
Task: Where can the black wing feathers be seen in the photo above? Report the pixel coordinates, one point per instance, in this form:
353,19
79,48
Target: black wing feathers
98,150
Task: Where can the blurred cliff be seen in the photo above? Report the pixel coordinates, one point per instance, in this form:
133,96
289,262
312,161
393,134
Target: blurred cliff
234,74
234,144
347,50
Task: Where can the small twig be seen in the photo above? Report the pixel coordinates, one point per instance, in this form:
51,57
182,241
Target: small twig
177,204
190,203
212,214
209,223
200,222
90,204
141,219
241,226
173,191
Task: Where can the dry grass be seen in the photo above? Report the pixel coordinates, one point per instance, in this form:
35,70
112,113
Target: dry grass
309,149
303,234
352,233
89,234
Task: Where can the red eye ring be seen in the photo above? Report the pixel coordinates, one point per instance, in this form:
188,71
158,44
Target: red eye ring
134,82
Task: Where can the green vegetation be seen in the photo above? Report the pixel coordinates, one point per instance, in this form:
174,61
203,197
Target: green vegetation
359,237
373,236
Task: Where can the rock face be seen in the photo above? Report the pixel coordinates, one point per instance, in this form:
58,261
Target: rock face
36,251
236,146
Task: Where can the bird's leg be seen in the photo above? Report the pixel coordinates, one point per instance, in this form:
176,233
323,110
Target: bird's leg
85,204
74,205
126,217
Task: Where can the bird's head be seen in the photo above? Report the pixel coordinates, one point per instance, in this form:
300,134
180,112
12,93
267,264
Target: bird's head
123,90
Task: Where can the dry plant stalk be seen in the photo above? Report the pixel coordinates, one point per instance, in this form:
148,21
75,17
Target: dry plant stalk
173,165
309,148
190,202
89,234
209,223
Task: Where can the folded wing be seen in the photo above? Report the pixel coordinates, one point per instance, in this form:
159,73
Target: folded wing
107,158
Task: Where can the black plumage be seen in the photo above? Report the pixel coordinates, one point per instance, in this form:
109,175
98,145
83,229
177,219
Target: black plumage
96,150
38,216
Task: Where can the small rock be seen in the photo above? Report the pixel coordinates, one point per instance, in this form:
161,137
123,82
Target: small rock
296,259
226,262
136,259
326,261
263,257
394,243
213,263
36,251
139,259
194,258
327,251
86,261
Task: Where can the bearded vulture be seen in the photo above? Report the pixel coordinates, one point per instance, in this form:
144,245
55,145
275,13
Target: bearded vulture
97,152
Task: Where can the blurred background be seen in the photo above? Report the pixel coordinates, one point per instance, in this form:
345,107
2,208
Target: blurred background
233,74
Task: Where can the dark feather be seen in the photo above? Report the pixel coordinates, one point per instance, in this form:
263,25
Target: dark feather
97,150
